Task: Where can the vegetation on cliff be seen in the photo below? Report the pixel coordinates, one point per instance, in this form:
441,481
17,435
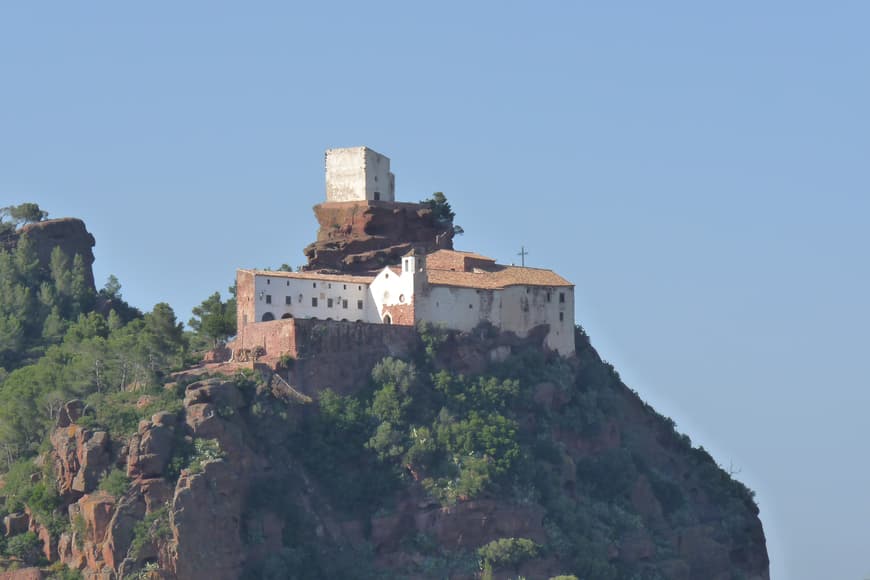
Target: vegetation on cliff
521,464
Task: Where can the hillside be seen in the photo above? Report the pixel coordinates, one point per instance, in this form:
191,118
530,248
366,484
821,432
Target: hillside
448,454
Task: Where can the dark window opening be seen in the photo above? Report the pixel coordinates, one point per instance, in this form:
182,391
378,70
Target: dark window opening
561,317
314,301
268,316
377,195
288,300
388,319
548,297
561,298
329,302
359,305
314,284
268,281
287,315
268,298
344,304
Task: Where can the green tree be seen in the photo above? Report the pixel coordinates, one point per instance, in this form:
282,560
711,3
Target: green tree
214,319
24,213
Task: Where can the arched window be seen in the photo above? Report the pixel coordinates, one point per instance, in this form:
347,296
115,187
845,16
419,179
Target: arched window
287,315
268,316
388,319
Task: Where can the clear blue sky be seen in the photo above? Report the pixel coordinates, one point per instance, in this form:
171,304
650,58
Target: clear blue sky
699,170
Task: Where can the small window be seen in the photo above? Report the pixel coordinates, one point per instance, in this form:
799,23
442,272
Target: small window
314,301
300,299
288,282
314,284
401,297
561,317
344,304
288,300
268,281
359,287
470,306
377,196
359,304
329,302
329,285
561,298
386,275
406,264
268,316
268,298
345,286
549,296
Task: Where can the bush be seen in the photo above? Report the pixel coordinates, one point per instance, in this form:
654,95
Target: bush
508,552
25,547
115,483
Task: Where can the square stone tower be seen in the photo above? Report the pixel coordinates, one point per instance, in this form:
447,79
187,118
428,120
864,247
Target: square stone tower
358,174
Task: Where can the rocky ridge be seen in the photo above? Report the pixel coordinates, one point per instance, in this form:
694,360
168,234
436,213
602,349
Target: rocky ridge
216,491
366,235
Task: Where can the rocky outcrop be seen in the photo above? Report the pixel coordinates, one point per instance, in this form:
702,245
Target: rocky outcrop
366,235
81,458
215,521
70,234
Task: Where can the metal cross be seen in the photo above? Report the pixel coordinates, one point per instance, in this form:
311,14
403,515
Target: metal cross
522,254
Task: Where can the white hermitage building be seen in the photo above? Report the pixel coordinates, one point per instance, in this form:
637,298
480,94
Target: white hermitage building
458,290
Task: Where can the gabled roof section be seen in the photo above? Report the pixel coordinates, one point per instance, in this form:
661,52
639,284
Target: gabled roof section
325,276
498,278
457,261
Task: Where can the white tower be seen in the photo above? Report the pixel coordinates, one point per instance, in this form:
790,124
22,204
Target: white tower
358,174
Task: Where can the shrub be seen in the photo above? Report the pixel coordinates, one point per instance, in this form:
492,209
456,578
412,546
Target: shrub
115,483
508,552
25,547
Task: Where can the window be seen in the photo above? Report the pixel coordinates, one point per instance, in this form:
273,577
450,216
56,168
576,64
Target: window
329,302
344,304
359,287
406,265
268,316
300,299
268,281
314,284
288,300
313,301
548,296
329,285
470,306
268,298
359,304
561,298
345,286
561,317
288,282
377,196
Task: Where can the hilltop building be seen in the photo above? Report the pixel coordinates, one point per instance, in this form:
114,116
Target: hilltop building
458,290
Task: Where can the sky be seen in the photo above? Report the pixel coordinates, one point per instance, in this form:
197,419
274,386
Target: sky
698,170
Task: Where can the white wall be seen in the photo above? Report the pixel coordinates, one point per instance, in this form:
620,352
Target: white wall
356,173
279,288
390,289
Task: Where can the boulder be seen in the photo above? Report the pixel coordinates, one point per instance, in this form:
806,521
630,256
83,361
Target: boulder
150,449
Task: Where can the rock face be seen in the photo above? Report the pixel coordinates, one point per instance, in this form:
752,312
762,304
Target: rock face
243,499
366,235
70,234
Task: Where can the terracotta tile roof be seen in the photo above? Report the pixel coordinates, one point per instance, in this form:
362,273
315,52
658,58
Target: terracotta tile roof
348,278
500,277
456,254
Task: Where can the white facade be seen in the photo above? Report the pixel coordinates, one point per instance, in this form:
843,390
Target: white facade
287,295
510,298
358,174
